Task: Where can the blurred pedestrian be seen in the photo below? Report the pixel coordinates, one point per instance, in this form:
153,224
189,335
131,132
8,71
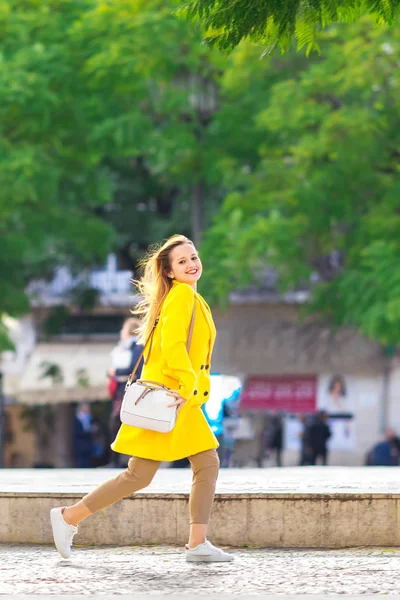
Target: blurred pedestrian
318,436
83,436
170,305
263,440
123,360
276,442
385,453
304,435
271,440
229,427
100,442
394,442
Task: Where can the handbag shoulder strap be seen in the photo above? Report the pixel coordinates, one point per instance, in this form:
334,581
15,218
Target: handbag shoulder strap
189,340
150,338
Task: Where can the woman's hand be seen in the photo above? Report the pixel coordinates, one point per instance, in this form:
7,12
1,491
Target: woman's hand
179,401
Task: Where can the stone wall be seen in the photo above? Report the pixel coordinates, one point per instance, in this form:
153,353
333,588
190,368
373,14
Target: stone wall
273,339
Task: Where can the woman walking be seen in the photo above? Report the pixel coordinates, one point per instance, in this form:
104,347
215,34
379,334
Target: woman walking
168,288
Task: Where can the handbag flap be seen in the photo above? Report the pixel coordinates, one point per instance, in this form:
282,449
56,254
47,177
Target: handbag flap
154,403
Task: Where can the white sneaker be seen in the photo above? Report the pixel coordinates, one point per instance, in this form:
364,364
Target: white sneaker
206,552
63,532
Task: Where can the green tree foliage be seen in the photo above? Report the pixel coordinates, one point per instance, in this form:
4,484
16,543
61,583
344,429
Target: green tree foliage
105,113
276,23
51,177
116,123
321,201
155,135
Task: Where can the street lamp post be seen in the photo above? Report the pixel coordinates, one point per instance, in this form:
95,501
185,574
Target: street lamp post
202,103
201,94
203,98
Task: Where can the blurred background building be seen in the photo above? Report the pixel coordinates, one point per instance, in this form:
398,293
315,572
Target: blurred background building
267,362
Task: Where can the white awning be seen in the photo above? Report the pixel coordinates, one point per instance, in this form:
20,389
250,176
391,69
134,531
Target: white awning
75,373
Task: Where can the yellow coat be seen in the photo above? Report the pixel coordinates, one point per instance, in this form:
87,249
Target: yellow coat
170,364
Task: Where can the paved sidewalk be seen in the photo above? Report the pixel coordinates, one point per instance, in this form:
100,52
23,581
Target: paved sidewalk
162,571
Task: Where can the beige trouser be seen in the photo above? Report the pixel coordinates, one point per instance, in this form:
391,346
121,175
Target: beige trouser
140,473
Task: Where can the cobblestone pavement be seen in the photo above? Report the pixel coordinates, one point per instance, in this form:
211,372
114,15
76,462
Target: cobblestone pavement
38,570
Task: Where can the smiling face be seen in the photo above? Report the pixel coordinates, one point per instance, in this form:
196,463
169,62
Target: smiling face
185,264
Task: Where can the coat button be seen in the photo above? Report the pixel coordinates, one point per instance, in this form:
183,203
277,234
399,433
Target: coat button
207,366
195,392
202,367
206,393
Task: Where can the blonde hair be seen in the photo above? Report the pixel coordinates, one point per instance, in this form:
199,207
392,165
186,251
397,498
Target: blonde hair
154,284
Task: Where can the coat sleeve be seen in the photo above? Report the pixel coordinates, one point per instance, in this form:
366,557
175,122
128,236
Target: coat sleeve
175,324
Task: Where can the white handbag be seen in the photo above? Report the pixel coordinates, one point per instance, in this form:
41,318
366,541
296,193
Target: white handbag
145,402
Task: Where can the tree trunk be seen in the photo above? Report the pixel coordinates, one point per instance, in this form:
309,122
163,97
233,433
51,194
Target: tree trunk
197,200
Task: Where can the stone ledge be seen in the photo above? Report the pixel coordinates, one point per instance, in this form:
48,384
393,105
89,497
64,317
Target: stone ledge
282,508
311,496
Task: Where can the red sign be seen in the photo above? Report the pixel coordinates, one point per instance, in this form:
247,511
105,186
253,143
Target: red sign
291,393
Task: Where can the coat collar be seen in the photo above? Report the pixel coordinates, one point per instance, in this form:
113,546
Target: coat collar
206,312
